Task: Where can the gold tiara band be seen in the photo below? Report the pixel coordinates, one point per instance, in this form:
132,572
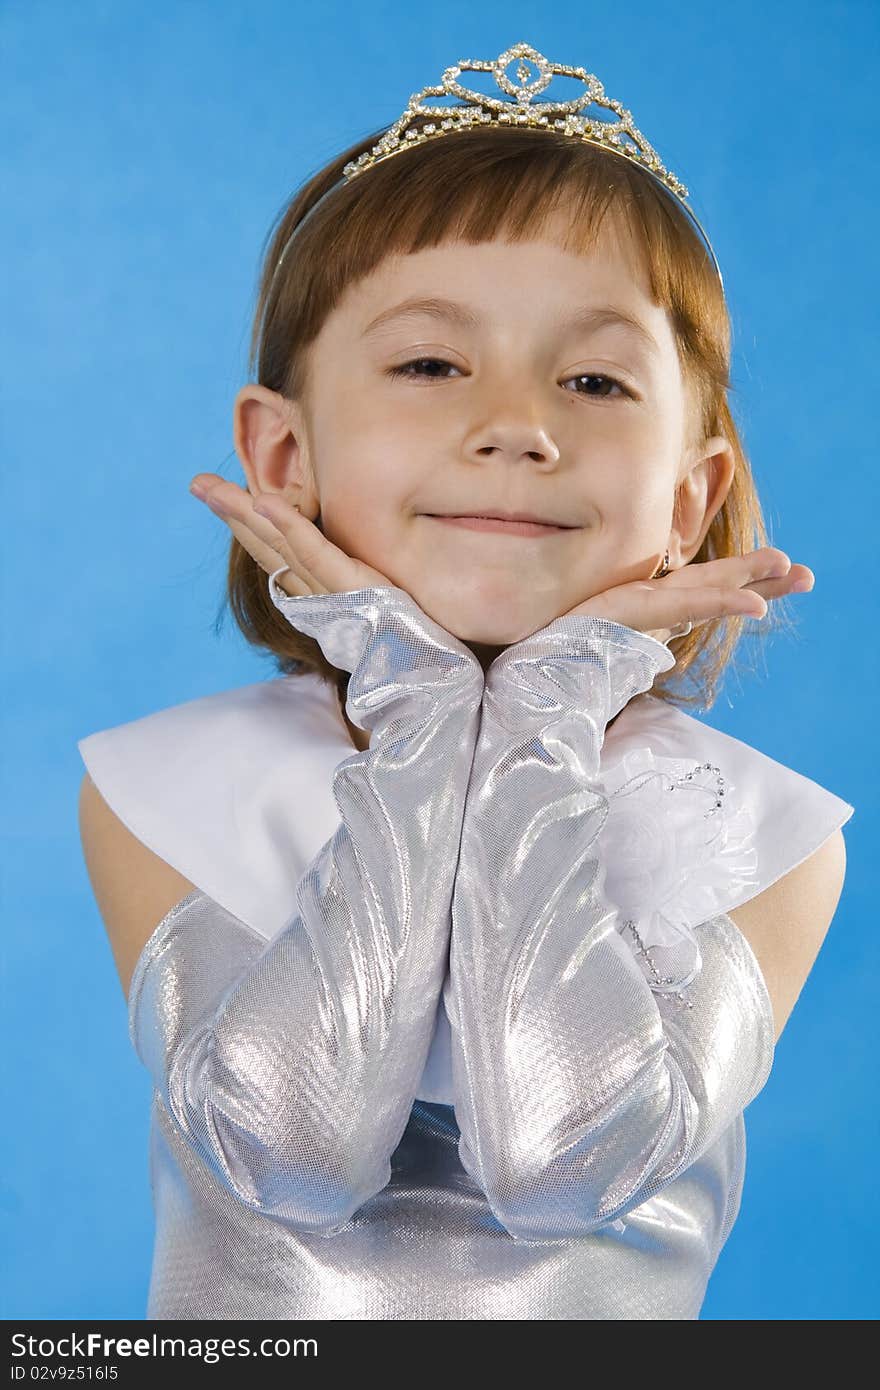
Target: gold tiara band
620,136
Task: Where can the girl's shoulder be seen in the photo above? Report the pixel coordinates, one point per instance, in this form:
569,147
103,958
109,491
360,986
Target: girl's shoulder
234,789
713,799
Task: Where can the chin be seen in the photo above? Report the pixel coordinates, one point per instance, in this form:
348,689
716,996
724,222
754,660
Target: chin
479,624
492,635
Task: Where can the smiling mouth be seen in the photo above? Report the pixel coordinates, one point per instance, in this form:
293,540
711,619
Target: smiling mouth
496,524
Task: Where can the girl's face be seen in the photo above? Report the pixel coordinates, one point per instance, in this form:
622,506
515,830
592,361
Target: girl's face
527,404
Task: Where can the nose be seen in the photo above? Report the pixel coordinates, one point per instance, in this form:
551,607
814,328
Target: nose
511,426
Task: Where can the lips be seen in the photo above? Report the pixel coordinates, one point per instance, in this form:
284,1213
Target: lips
507,516
502,525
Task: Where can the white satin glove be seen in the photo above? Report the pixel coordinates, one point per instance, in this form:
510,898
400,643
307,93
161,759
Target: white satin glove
291,1066
582,1093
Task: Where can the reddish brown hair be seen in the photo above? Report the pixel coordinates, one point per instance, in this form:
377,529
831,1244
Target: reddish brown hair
499,183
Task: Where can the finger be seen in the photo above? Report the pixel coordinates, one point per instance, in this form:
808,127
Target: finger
268,558
260,538
319,564
299,538
653,607
697,606
799,580
736,570
203,481
331,569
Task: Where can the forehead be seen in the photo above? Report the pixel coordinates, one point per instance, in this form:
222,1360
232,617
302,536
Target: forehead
511,284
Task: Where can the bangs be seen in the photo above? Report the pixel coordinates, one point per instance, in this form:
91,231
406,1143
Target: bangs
496,185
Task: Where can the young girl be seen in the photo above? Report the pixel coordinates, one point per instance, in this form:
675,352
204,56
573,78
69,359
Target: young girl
457,951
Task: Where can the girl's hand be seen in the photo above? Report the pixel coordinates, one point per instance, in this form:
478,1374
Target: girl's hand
696,593
278,534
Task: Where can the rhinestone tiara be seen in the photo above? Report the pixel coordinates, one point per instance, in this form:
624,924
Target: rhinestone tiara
620,136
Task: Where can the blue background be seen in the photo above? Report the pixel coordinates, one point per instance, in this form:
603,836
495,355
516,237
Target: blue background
147,148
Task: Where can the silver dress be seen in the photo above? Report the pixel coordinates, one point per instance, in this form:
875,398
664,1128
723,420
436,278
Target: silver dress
593,1165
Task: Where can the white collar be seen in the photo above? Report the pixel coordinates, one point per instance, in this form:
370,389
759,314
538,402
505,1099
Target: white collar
234,790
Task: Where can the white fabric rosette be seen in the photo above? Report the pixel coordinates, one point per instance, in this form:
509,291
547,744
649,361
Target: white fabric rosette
677,847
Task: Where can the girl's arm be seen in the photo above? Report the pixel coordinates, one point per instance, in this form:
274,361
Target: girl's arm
291,1067
581,1092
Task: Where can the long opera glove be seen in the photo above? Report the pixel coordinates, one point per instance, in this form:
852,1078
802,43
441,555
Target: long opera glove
291,1066
582,1092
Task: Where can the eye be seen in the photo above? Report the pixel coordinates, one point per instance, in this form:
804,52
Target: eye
403,369
420,363
607,380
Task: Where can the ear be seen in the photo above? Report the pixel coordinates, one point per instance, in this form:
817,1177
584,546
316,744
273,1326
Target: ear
699,497
272,446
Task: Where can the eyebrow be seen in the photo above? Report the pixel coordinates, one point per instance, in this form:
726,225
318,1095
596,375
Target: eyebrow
587,319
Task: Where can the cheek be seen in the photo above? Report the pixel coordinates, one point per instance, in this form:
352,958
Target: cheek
638,482
372,482
648,503
364,518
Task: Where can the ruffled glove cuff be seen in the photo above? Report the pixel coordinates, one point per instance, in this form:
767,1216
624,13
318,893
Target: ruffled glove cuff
573,676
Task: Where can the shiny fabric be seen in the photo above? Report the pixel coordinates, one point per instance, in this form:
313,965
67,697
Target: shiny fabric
583,1092
296,1174
235,791
291,1070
